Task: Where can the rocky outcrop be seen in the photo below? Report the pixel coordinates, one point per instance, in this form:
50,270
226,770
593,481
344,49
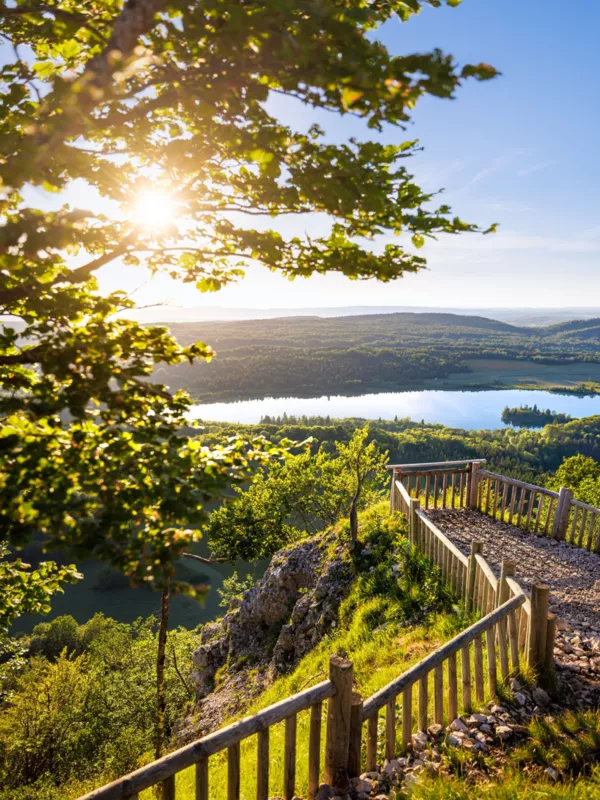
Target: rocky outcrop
271,628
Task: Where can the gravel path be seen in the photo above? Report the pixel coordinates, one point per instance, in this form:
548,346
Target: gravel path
572,574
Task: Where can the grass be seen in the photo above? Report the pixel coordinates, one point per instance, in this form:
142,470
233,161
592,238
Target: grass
569,744
514,786
513,374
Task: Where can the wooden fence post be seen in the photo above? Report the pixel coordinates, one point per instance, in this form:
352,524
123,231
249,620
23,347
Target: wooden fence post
414,505
509,570
339,710
473,485
471,572
354,751
550,636
537,627
561,515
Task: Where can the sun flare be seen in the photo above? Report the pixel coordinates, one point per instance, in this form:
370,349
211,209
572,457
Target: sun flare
153,209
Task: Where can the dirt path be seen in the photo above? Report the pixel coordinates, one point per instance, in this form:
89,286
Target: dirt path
572,574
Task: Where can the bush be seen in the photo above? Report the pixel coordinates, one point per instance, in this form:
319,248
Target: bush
49,639
84,707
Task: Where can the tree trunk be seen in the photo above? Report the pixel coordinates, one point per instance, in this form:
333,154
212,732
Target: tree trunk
161,699
354,518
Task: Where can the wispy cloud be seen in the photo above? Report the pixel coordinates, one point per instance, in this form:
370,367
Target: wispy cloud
537,167
501,162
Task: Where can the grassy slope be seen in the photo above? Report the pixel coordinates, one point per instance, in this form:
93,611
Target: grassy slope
377,631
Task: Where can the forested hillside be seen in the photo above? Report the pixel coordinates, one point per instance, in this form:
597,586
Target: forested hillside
518,453
307,355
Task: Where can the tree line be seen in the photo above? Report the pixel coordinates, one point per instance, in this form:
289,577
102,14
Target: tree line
532,417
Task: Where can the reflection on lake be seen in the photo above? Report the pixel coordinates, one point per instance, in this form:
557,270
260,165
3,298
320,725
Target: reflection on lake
471,410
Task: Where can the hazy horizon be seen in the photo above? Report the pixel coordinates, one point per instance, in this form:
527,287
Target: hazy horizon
526,316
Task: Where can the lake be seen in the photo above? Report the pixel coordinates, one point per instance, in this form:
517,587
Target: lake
456,409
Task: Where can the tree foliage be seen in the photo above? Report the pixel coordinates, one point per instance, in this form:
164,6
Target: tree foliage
581,474
85,705
25,591
307,492
109,100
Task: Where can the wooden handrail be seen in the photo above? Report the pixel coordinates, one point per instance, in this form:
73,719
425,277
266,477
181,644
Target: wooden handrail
514,482
130,785
403,491
411,676
420,473
517,589
438,463
442,537
585,506
487,571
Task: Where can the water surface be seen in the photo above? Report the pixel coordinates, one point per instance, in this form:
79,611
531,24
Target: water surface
456,409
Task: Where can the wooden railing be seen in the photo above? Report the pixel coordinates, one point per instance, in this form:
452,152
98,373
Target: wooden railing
583,526
443,711
516,502
466,484
473,580
543,511
512,626
441,484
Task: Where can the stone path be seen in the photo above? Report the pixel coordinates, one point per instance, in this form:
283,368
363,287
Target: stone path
572,574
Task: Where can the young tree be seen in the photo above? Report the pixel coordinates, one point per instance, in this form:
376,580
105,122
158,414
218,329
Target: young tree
362,464
308,491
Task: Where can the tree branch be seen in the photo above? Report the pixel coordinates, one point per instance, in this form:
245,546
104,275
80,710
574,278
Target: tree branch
204,560
79,275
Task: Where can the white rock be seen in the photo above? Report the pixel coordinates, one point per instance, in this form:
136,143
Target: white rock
477,719
459,726
551,773
504,732
419,741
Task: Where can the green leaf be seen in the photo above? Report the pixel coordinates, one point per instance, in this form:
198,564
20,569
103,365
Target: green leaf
350,96
418,240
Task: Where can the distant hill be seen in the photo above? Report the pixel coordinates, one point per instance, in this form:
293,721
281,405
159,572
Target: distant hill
524,317
312,356
581,328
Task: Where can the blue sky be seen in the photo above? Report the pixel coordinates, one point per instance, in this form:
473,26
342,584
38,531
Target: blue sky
521,150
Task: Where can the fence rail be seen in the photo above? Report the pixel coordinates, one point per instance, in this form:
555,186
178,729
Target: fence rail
442,484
